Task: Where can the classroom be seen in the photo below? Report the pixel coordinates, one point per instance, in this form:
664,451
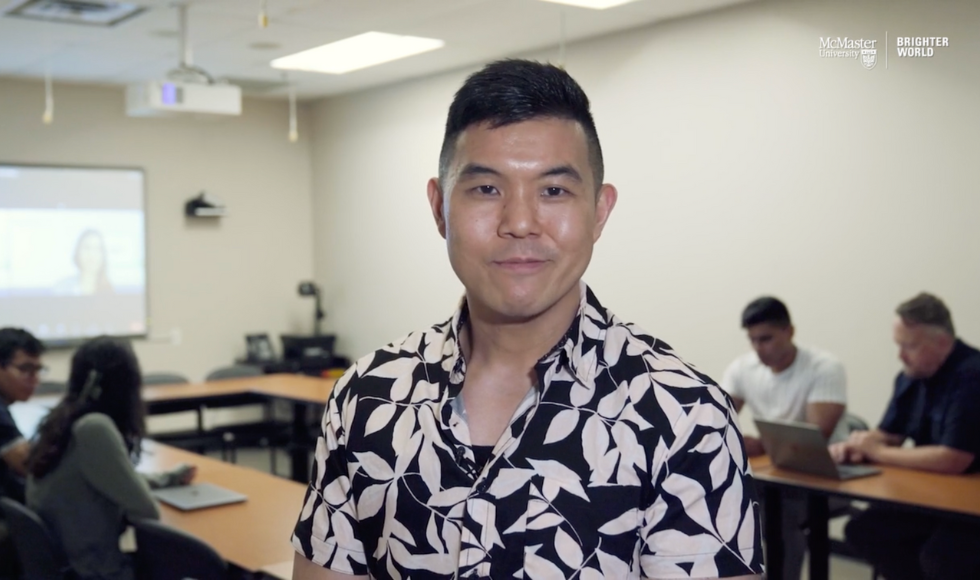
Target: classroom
791,148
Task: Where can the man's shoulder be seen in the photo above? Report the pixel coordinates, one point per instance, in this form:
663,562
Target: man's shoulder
8,427
630,351
400,358
819,359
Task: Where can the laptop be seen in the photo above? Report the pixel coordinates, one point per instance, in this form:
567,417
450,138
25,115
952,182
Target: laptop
802,447
197,496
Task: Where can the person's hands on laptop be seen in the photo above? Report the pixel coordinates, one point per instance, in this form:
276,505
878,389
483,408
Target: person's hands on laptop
843,452
859,447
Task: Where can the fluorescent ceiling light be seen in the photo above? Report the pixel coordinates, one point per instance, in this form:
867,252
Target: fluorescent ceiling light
595,4
357,52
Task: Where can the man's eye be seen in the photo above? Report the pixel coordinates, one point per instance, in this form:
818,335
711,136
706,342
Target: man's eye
486,189
553,191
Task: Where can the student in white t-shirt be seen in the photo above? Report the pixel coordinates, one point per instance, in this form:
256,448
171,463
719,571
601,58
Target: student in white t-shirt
779,380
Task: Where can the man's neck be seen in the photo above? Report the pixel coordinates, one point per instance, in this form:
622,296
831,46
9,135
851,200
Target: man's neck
787,360
492,341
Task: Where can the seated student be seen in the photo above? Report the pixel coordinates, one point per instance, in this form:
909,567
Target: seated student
781,381
936,404
82,480
20,366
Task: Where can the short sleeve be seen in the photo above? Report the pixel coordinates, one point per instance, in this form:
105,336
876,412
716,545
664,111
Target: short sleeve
704,519
327,532
730,380
9,433
895,419
961,428
829,383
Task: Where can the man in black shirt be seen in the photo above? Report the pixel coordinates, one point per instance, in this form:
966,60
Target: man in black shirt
20,365
936,404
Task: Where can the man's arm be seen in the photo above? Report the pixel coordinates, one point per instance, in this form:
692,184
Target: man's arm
738,402
825,416
303,569
15,456
937,458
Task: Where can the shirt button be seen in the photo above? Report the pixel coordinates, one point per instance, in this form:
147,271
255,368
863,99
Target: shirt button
483,486
460,455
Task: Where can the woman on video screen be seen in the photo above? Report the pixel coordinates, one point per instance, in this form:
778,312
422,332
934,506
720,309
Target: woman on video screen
91,259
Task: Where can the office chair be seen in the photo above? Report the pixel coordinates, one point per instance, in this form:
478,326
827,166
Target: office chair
150,379
41,557
157,546
234,372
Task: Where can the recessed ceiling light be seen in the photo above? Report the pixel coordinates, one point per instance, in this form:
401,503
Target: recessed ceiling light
357,52
594,4
264,45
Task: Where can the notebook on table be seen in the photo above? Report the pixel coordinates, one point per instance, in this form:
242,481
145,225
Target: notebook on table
802,447
197,496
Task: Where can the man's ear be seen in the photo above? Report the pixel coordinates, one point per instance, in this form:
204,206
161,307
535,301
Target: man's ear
605,202
436,200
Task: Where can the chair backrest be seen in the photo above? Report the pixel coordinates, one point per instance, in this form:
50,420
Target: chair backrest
234,372
51,388
164,379
41,557
157,547
854,423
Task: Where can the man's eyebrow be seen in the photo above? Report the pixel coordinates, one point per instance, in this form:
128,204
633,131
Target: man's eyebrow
474,169
563,171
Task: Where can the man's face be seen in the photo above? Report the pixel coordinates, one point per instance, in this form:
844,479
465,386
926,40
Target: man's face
772,342
921,348
520,215
20,377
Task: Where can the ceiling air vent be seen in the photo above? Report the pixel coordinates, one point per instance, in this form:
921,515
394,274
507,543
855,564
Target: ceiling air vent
92,12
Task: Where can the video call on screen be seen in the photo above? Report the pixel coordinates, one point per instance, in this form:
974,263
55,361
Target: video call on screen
72,251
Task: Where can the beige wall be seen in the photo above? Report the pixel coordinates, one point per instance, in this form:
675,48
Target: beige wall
211,281
745,163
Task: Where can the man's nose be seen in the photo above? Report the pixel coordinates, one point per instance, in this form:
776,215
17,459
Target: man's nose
519,215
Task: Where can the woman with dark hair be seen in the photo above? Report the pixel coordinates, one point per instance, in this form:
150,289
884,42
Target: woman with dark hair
82,480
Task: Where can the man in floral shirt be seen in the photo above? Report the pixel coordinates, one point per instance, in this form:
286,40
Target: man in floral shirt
534,434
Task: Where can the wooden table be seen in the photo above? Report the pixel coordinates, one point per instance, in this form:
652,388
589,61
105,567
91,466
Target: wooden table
955,496
302,391
298,388
251,535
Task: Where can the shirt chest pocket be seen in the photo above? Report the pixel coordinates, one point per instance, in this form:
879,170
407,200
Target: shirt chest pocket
573,530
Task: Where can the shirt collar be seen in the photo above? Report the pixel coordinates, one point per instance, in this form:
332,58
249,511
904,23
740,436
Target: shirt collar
577,351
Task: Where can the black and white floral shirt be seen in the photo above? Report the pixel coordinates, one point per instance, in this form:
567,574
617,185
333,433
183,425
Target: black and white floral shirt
624,462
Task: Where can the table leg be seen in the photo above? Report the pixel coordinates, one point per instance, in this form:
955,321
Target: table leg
818,542
300,448
773,530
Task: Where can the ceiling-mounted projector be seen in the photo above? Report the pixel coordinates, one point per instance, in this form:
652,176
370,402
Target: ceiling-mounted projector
169,97
187,88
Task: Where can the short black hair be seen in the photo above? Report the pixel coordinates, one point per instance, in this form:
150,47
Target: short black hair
511,91
924,308
766,309
14,339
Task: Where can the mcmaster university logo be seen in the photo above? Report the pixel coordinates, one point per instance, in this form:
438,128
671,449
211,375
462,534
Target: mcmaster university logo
864,50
